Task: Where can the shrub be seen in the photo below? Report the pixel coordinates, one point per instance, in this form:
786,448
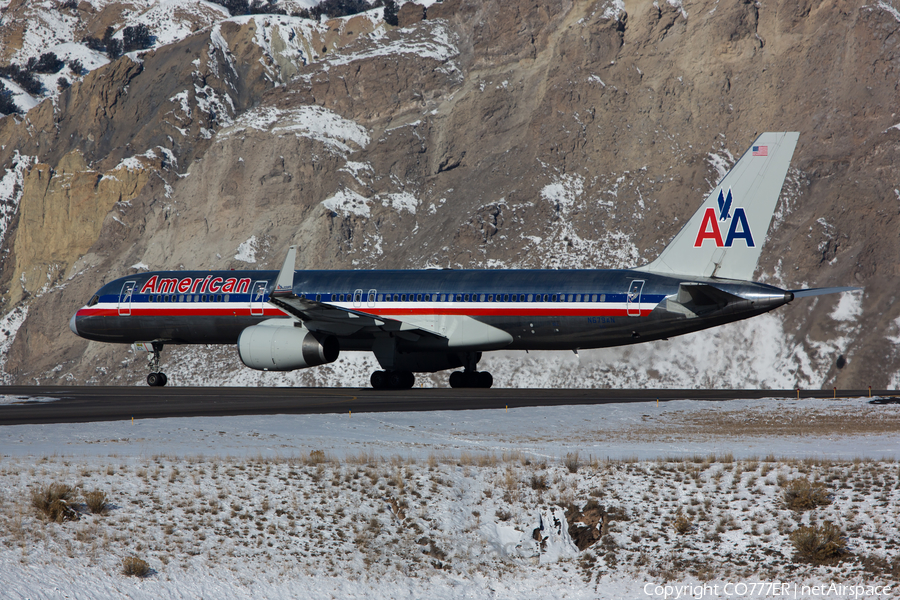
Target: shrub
113,46
800,494
7,106
76,67
390,13
571,462
96,502
682,523
235,7
136,38
317,457
22,76
94,44
819,544
332,8
539,482
133,565
54,502
70,4
62,83
48,63
259,7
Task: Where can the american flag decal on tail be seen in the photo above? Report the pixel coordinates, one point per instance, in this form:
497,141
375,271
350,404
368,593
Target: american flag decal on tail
760,150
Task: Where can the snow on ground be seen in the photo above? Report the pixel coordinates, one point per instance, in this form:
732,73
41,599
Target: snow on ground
475,504
743,428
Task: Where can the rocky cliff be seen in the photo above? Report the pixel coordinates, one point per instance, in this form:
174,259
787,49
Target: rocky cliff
492,134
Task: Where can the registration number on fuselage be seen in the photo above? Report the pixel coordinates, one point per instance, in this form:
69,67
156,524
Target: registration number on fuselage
601,320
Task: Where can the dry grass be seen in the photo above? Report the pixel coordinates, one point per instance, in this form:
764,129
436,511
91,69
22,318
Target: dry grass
683,523
572,462
134,566
96,502
54,502
820,544
800,494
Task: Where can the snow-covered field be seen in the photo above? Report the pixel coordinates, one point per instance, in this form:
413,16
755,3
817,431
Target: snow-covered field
450,504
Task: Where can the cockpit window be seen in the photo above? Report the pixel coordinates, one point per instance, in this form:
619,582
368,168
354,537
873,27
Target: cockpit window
94,300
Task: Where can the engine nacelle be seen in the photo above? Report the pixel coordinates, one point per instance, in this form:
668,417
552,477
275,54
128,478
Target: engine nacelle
277,345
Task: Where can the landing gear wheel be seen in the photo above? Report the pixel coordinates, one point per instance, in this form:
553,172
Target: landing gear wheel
409,380
379,380
165,379
485,379
400,380
456,379
157,379
471,379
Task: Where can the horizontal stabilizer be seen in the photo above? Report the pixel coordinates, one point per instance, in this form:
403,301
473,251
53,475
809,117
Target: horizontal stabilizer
822,291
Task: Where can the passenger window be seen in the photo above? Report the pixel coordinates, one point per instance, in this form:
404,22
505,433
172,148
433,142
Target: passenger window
419,298
225,298
459,297
602,297
318,297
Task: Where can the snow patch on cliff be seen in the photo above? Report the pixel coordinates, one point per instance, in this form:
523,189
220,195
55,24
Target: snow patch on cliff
246,252
314,122
11,190
436,42
347,202
9,326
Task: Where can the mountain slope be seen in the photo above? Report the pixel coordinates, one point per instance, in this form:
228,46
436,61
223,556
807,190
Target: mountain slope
491,134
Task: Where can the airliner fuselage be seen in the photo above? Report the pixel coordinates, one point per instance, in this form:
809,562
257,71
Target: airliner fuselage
538,309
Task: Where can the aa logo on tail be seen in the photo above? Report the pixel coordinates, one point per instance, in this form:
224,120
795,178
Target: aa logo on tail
738,227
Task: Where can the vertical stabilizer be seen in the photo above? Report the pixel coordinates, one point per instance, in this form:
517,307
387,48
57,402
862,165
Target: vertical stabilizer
725,237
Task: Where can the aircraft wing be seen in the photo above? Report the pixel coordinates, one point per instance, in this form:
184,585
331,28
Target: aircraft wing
336,320
435,332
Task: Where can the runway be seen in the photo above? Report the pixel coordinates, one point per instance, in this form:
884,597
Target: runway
81,404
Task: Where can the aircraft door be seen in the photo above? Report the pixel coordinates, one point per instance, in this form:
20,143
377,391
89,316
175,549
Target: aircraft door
370,300
357,298
125,299
258,298
633,300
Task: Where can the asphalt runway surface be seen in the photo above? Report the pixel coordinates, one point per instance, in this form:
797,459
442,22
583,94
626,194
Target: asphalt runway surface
80,404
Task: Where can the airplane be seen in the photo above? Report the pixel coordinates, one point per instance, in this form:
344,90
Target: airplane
425,321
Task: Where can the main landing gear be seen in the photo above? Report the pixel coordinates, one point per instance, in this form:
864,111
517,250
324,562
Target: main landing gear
392,380
155,378
471,379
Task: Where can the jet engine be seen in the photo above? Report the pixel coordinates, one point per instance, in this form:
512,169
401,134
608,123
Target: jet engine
279,345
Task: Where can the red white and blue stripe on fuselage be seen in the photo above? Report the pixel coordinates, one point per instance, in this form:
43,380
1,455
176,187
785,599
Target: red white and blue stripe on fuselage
491,296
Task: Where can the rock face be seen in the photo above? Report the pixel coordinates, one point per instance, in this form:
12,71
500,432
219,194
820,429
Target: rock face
490,134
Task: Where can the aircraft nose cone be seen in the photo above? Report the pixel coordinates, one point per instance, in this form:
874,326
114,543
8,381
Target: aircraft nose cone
73,325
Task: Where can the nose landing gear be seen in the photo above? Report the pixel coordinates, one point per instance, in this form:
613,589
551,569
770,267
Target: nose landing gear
155,378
